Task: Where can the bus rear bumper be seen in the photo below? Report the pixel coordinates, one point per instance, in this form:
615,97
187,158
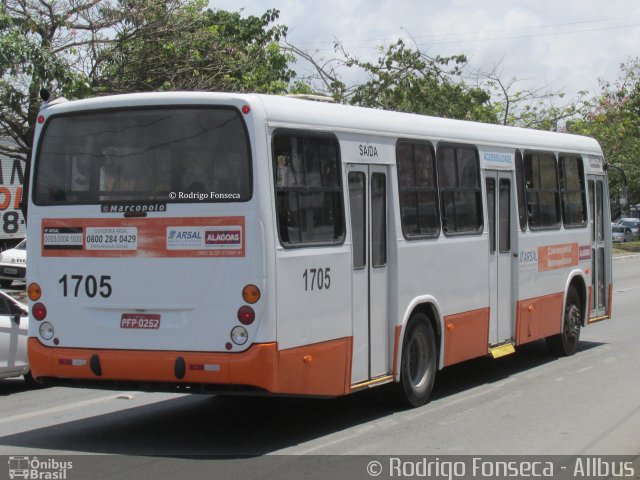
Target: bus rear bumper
261,367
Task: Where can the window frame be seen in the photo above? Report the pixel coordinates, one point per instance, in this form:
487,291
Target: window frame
491,212
479,192
382,249
504,233
169,106
521,191
583,191
558,225
417,189
365,222
341,190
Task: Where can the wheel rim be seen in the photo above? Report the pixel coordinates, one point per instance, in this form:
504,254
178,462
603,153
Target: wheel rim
418,361
573,322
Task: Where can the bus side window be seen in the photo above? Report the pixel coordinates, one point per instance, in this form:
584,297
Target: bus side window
522,201
543,198
460,194
308,184
574,203
417,186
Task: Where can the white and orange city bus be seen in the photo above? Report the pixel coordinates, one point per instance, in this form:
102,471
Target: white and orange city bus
264,244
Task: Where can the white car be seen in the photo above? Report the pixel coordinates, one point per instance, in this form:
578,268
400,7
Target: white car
633,224
13,264
14,327
620,234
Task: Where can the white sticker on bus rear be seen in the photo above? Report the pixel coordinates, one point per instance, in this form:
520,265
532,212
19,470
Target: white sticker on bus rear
228,237
61,238
111,238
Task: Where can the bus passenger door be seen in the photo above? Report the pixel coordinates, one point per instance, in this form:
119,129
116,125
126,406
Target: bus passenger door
600,276
500,211
368,208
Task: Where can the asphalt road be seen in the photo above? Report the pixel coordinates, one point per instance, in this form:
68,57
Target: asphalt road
526,403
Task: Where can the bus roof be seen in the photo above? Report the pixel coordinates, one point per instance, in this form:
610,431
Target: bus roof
282,111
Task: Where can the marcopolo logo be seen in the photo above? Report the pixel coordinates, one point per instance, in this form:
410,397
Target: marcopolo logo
38,469
133,207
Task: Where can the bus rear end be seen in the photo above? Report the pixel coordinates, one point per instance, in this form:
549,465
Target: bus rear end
146,252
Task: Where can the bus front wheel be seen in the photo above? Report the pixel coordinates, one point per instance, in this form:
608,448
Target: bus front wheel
418,363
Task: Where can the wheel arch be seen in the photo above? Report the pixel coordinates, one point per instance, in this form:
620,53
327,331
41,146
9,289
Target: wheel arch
430,307
578,280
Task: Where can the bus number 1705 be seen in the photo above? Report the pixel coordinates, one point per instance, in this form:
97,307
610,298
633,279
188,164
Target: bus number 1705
91,285
316,278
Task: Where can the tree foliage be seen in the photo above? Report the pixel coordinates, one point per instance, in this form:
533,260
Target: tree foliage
40,46
180,45
77,48
613,118
526,107
404,79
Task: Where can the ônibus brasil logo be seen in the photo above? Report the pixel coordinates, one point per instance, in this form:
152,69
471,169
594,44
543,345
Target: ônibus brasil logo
38,469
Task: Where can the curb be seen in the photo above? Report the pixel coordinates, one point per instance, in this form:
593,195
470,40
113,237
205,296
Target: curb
630,256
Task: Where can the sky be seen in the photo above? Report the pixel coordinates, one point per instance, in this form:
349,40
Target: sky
565,45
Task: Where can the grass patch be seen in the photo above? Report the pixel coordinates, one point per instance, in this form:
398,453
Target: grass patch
627,247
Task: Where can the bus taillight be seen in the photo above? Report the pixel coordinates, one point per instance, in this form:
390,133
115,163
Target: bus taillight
246,315
34,291
251,294
39,311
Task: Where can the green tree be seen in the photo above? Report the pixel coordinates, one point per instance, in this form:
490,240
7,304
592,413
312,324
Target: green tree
180,45
408,80
403,79
613,118
78,48
536,108
40,45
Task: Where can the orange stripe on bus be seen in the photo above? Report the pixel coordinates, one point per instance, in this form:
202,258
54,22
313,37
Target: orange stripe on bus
466,336
318,369
539,317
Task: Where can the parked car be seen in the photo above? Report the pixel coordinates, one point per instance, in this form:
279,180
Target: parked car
14,325
620,233
633,224
13,264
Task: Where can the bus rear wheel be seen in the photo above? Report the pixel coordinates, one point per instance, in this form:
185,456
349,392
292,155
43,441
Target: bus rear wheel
418,363
566,342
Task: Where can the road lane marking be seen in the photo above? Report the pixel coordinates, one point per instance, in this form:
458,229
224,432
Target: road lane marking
624,290
584,369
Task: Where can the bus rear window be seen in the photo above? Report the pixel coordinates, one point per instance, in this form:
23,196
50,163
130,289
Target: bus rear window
160,154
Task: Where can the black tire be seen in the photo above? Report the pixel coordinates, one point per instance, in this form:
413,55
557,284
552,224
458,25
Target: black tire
565,343
418,363
30,381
